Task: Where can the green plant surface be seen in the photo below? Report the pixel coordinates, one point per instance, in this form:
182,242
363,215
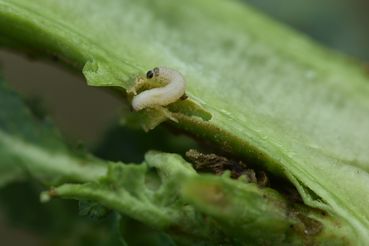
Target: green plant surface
31,146
275,98
165,193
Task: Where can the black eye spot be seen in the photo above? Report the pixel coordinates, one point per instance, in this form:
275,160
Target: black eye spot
156,71
149,74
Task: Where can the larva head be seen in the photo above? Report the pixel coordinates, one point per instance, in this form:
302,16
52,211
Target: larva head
152,73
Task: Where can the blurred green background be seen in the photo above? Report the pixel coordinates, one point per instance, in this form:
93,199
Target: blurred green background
340,24
85,114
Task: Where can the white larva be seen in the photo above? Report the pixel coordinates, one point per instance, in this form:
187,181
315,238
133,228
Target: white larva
162,96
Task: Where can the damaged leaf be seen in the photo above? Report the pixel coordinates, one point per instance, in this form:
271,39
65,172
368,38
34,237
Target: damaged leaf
275,98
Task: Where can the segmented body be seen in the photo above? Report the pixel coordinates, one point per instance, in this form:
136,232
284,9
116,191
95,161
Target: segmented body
162,96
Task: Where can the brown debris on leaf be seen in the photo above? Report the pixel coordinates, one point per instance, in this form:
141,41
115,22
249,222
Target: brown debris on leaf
212,163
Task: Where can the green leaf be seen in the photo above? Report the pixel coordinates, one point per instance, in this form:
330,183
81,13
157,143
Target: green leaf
209,208
275,97
125,190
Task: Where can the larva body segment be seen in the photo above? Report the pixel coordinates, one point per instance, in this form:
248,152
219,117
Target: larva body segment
171,92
